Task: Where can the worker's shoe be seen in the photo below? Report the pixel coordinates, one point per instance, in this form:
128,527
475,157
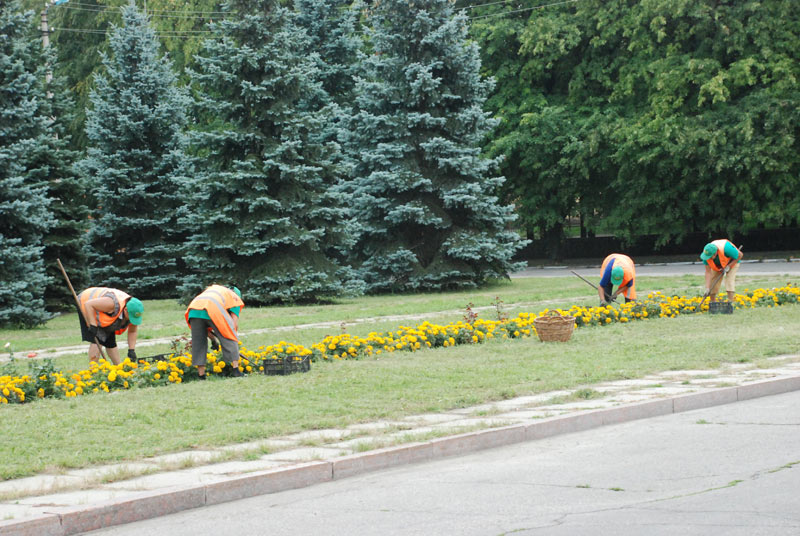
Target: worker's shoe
201,376
236,373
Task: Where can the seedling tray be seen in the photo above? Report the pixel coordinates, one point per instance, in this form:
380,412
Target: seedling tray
286,365
720,308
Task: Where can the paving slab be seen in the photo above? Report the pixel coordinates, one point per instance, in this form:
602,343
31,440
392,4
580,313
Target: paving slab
375,426
106,471
239,467
190,477
272,444
434,418
319,435
56,502
192,456
525,414
358,444
661,391
39,484
477,423
306,454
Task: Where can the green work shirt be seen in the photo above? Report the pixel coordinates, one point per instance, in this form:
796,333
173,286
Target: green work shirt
201,313
730,251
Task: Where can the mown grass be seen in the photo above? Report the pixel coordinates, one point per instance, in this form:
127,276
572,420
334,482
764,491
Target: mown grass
51,435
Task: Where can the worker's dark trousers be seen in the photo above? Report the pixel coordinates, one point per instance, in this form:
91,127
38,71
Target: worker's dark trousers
230,348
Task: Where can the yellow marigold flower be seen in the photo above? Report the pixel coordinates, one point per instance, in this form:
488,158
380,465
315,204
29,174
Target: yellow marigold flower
112,376
40,393
157,376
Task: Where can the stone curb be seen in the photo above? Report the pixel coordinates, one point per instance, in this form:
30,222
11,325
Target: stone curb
167,501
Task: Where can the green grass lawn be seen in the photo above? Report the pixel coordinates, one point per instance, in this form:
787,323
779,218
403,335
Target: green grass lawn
164,318
50,435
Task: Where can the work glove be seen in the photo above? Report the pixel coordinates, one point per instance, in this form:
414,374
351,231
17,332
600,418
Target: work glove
214,344
132,355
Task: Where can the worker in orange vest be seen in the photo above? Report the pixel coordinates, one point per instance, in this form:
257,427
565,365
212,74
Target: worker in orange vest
721,258
617,269
215,313
110,312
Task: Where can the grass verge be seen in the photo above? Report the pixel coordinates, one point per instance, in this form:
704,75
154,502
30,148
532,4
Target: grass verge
58,434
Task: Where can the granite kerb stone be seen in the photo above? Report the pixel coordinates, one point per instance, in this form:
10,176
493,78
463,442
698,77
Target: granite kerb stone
774,386
384,458
269,481
138,507
704,399
40,525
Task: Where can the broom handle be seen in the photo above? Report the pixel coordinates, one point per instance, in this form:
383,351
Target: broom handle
78,303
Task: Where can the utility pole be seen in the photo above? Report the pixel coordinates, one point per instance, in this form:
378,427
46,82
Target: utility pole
46,30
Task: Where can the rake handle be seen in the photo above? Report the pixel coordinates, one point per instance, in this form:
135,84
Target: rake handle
78,303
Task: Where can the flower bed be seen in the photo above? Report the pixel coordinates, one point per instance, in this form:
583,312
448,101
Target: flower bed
46,382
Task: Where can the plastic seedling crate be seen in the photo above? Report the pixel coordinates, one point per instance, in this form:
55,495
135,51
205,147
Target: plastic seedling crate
721,308
286,365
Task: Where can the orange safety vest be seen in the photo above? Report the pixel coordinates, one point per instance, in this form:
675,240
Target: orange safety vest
723,259
625,262
629,273
216,300
105,320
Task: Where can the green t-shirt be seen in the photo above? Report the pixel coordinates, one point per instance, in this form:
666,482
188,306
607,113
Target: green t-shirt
730,251
201,313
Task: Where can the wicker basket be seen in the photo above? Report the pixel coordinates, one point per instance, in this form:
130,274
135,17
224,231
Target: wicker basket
554,327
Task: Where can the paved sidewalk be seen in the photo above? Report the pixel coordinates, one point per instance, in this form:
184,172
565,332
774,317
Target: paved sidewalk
87,499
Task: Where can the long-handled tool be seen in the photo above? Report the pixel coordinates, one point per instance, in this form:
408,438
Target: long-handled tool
78,303
605,293
716,280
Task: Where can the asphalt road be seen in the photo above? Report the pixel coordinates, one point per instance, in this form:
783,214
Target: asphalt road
732,470
771,267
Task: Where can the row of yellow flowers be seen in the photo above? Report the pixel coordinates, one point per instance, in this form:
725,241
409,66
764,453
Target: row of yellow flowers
46,382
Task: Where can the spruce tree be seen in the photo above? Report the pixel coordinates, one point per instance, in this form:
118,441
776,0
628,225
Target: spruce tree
24,214
66,238
264,210
135,164
331,26
423,193
331,29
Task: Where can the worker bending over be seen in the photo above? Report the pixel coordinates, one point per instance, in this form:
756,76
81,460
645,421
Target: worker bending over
617,269
109,313
721,258
215,313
